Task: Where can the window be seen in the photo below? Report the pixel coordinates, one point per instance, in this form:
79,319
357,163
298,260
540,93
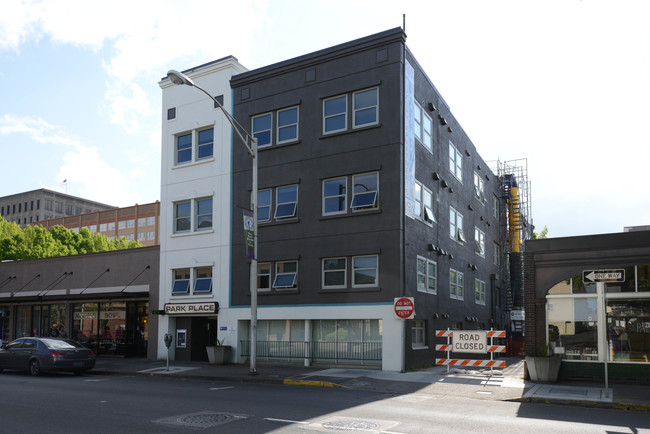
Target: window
335,114
495,207
262,126
203,214
286,202
205,144
496,249
129,237
201,209
427,275
286,274
423,127
263,277
102,227
456,226
334,196
423,203
365,191
181,281
287,125
479,287
334,273
68,210
418,333
142,221
151,235
111,226
479,242
130,223
121,224
479,188
93,228
184,148
264,205
456,284
204,140
142,236
182,216
366,108
77,210
455,162
203,280
48,205
365,271
151,221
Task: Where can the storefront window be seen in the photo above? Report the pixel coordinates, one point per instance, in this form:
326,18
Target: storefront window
84,324
23,321
112,326
5,324
628,330
572,328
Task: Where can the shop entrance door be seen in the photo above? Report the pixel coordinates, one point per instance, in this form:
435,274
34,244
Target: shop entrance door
204,333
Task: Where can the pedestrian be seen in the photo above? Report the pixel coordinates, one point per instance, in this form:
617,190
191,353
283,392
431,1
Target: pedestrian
54,331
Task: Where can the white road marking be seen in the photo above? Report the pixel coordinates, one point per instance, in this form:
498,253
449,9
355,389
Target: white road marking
221,388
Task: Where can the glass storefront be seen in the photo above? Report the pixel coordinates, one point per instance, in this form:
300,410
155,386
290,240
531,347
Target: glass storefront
589,322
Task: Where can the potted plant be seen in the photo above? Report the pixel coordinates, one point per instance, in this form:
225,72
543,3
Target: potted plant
544,368
217,352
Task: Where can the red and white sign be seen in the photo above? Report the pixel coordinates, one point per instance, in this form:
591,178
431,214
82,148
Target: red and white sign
404,307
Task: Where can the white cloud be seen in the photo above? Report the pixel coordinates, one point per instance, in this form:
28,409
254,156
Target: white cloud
36,128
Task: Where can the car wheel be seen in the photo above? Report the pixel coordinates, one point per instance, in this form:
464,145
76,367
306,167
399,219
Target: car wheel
34,367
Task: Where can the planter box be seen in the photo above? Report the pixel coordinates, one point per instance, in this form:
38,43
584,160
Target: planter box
543,369
217,355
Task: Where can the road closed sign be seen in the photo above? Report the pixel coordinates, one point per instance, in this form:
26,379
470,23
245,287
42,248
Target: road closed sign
404,307
471,341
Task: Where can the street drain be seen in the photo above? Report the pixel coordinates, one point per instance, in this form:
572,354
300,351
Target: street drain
348,425
204,419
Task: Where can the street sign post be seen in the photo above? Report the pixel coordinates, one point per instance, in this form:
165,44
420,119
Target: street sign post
594,276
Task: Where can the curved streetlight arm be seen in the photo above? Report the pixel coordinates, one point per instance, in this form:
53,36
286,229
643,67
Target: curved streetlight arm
180,78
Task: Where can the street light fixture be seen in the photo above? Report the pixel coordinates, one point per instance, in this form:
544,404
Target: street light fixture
251,147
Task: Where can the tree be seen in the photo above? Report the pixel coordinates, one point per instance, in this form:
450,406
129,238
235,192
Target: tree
37,242
543,234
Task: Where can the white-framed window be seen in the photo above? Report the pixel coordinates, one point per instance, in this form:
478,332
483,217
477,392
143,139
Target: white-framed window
200,208
456,226
262,129
130,237
479,188
479,242
193,146
455,162
423,126
287,125
496,254
334,273
479,290
286,202
264,205
93,228
335,114
142,236
424,203
365,105
365,191
286,275
456,285
181,281
203,280
365,271
418,333
102,227
142,221
111,226
335,196
427,275
151,221
264,276
151,235
130,223
495,207
121,224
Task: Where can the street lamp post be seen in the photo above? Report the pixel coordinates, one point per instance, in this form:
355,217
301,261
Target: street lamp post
251,147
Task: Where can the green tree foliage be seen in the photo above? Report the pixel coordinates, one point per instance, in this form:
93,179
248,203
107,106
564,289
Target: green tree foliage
37,242
541,235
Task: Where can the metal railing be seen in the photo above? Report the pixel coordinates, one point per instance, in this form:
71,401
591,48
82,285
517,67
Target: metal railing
369,352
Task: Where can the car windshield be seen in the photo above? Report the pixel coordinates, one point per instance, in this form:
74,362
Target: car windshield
55,344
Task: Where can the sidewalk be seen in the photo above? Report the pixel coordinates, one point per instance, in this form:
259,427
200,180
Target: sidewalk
497,385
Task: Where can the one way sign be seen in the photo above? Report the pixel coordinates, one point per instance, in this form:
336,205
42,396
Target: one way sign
591,276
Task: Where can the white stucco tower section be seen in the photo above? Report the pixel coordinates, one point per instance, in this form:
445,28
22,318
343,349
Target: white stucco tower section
187,110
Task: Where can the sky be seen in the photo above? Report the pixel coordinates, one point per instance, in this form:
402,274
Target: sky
563,86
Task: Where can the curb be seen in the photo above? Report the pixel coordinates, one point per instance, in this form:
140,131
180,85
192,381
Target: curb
313,383
591,404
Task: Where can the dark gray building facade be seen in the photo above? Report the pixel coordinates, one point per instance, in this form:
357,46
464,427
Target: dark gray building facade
369,190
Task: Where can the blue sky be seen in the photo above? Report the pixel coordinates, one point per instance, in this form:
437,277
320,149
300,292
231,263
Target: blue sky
562,83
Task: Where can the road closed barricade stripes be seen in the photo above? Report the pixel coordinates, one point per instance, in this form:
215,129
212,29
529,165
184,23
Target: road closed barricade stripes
467,341
472,363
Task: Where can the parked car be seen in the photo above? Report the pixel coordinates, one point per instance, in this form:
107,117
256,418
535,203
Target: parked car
38,355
